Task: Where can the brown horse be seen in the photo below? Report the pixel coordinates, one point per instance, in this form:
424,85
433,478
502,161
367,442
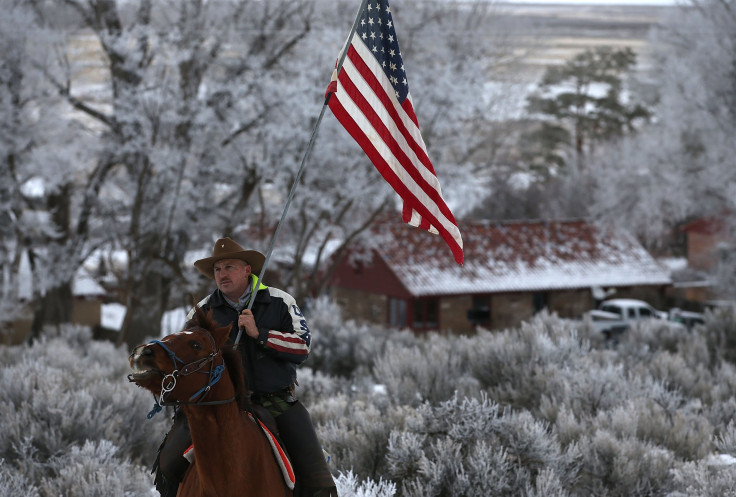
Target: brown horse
232,456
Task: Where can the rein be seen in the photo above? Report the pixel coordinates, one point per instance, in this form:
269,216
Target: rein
168,383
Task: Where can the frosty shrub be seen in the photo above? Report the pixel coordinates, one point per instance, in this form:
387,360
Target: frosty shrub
619,465
355,430
348,485
468,447
432,369
673,422
719,333
95,470
314,385
13,482
707,478
517,366
346,348
62,397
535,411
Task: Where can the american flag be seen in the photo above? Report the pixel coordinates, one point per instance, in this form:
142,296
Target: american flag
370,98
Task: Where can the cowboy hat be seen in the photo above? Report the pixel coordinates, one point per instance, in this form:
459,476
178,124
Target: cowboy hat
225,248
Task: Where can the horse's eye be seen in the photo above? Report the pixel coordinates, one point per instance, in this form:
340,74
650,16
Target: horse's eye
196,346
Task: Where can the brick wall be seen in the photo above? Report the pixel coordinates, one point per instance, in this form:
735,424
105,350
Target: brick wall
454,314
361,306
510,309
87,312
570,304
702,250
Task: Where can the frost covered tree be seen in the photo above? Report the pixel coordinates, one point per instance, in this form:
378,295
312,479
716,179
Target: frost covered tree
42,155
681,165
16,138
177,86
181,122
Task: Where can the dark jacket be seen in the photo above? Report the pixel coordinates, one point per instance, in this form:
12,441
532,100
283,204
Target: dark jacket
284,340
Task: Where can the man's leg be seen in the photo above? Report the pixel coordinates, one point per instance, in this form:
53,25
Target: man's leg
298,435
170,464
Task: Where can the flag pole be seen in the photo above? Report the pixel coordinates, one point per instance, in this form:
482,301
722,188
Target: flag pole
298,176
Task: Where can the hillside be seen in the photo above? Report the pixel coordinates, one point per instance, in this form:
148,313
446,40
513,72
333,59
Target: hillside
547,34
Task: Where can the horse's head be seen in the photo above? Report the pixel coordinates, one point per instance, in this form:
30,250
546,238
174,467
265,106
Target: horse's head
174,368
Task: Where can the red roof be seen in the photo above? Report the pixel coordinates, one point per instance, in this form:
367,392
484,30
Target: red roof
705,225
517,256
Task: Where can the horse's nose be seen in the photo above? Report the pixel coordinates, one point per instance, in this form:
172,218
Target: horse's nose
141,351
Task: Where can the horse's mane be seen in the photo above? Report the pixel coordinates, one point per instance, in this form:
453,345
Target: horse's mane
233,361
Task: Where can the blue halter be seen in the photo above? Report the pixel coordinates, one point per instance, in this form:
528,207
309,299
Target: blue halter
168,383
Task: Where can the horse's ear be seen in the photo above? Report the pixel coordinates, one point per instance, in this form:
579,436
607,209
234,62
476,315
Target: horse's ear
206,320
199,318
220,334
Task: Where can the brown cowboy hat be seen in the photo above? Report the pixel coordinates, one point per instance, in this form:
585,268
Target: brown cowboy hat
225,248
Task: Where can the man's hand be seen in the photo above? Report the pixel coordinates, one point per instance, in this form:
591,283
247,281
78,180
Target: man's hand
247,321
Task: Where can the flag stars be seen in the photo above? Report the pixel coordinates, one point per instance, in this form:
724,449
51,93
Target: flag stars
376,30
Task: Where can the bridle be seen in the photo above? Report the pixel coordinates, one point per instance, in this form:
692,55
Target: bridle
168,383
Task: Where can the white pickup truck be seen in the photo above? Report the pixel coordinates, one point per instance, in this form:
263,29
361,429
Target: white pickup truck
617,315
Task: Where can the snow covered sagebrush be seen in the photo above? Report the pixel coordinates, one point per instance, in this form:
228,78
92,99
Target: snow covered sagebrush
540,410
469,447
71,423
555,412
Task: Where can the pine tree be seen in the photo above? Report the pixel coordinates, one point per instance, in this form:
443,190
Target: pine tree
580,103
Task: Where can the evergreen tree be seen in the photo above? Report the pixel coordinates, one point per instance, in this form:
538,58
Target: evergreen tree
579,104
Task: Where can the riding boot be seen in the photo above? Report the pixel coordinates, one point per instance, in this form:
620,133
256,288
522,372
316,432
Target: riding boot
313,477
170,464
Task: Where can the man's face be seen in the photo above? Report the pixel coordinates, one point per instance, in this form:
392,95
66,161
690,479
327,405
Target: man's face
231,276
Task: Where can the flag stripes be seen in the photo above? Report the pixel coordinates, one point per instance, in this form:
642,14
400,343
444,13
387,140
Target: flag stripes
366,104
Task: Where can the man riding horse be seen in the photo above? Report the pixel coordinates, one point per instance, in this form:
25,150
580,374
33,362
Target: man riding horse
275,341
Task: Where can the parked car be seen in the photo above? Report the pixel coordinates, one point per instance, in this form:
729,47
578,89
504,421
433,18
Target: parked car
687,318
617,315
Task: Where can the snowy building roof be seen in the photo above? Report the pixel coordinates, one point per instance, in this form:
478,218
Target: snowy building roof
84,285
518,256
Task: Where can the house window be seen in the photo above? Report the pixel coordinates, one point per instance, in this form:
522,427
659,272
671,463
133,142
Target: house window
425,314
480,313
397,312
539,301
